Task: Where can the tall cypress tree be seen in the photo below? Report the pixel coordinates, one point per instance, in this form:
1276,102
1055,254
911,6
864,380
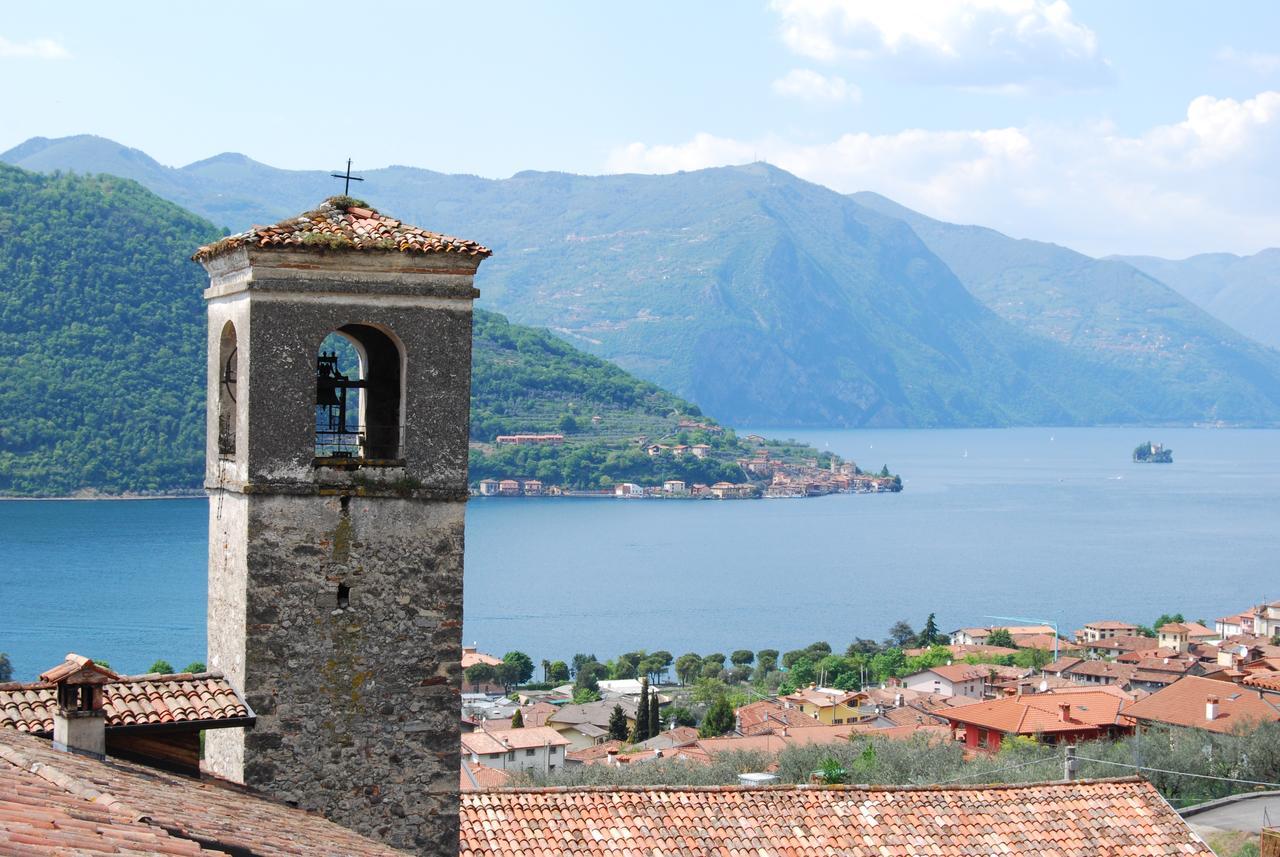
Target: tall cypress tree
642,713
655,717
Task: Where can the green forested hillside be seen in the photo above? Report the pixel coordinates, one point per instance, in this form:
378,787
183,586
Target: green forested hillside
102,346
101,337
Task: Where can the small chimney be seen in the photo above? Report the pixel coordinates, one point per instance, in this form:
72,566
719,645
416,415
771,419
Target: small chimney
1064,712
80,720
1211,708
897,700
612,755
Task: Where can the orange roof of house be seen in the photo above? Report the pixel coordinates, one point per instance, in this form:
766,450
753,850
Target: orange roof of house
471,657
1184,703
151,699
336,224
473,776
1110,625
1263,680
596,752
1123,643
768,715
484,741
821,699
537,714
1041,713
1114,817
53,802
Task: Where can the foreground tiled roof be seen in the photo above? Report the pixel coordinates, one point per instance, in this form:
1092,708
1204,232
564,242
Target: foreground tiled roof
338,225
61,803
1117,818
129,701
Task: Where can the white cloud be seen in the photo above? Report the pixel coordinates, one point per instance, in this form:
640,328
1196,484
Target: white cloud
1003,45
809,85
1255,61
44,49
1206,182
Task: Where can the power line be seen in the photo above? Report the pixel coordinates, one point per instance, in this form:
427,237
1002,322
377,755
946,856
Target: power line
1179,773
999,770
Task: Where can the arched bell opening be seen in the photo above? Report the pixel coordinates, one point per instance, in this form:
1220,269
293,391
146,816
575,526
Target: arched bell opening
228,374
358,371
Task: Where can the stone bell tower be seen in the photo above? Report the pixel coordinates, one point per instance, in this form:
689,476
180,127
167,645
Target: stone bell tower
339,372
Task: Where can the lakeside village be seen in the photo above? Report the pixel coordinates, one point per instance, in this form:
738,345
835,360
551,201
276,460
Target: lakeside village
769,472
960,701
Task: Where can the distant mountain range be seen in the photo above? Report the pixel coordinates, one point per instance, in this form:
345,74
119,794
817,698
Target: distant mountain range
1243,291
770,300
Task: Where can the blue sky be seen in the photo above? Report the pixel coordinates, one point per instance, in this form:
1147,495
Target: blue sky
1137,127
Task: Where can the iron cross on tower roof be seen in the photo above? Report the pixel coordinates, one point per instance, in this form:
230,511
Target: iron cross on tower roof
347,179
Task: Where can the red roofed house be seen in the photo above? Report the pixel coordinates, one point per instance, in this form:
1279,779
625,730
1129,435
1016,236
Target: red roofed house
154,719
536,748
951,680
1051,716
1204,703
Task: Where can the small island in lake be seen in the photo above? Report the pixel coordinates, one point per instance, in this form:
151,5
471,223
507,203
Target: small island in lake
1153,453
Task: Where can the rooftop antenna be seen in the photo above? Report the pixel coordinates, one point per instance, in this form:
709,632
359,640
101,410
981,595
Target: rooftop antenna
347,179
1053,625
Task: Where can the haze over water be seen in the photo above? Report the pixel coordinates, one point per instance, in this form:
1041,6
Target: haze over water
1053,524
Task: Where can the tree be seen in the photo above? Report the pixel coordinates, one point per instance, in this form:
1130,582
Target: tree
6,667
862,646
766,661
688,667
507,675
161,666
580,659
1032,658
521,666
681,716
588,677
558,672
480,674
568,424
901,635
517,720
546,670
803,672
655,714
583,695
719,719
789,658
1167,619
618,724
1001,637
929,635
195,667
642,714
884,472
742,657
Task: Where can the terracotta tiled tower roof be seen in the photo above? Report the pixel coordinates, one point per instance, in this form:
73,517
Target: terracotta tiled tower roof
341,223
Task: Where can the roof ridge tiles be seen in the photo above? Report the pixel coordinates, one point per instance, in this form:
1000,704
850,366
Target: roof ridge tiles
845,787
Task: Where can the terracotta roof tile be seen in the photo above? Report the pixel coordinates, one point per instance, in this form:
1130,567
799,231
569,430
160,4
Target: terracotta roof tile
485,741
62,803
338,225
151,699
1185,703
1041,713
1112,817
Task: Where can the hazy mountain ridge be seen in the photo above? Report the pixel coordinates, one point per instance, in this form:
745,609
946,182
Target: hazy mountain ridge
765,298
1109,309
1242,291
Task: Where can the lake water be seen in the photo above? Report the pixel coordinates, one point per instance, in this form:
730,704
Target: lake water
1051,524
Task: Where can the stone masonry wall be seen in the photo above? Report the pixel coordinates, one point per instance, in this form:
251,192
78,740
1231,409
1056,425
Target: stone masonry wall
357,705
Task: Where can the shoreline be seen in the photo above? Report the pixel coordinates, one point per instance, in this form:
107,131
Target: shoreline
9,498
